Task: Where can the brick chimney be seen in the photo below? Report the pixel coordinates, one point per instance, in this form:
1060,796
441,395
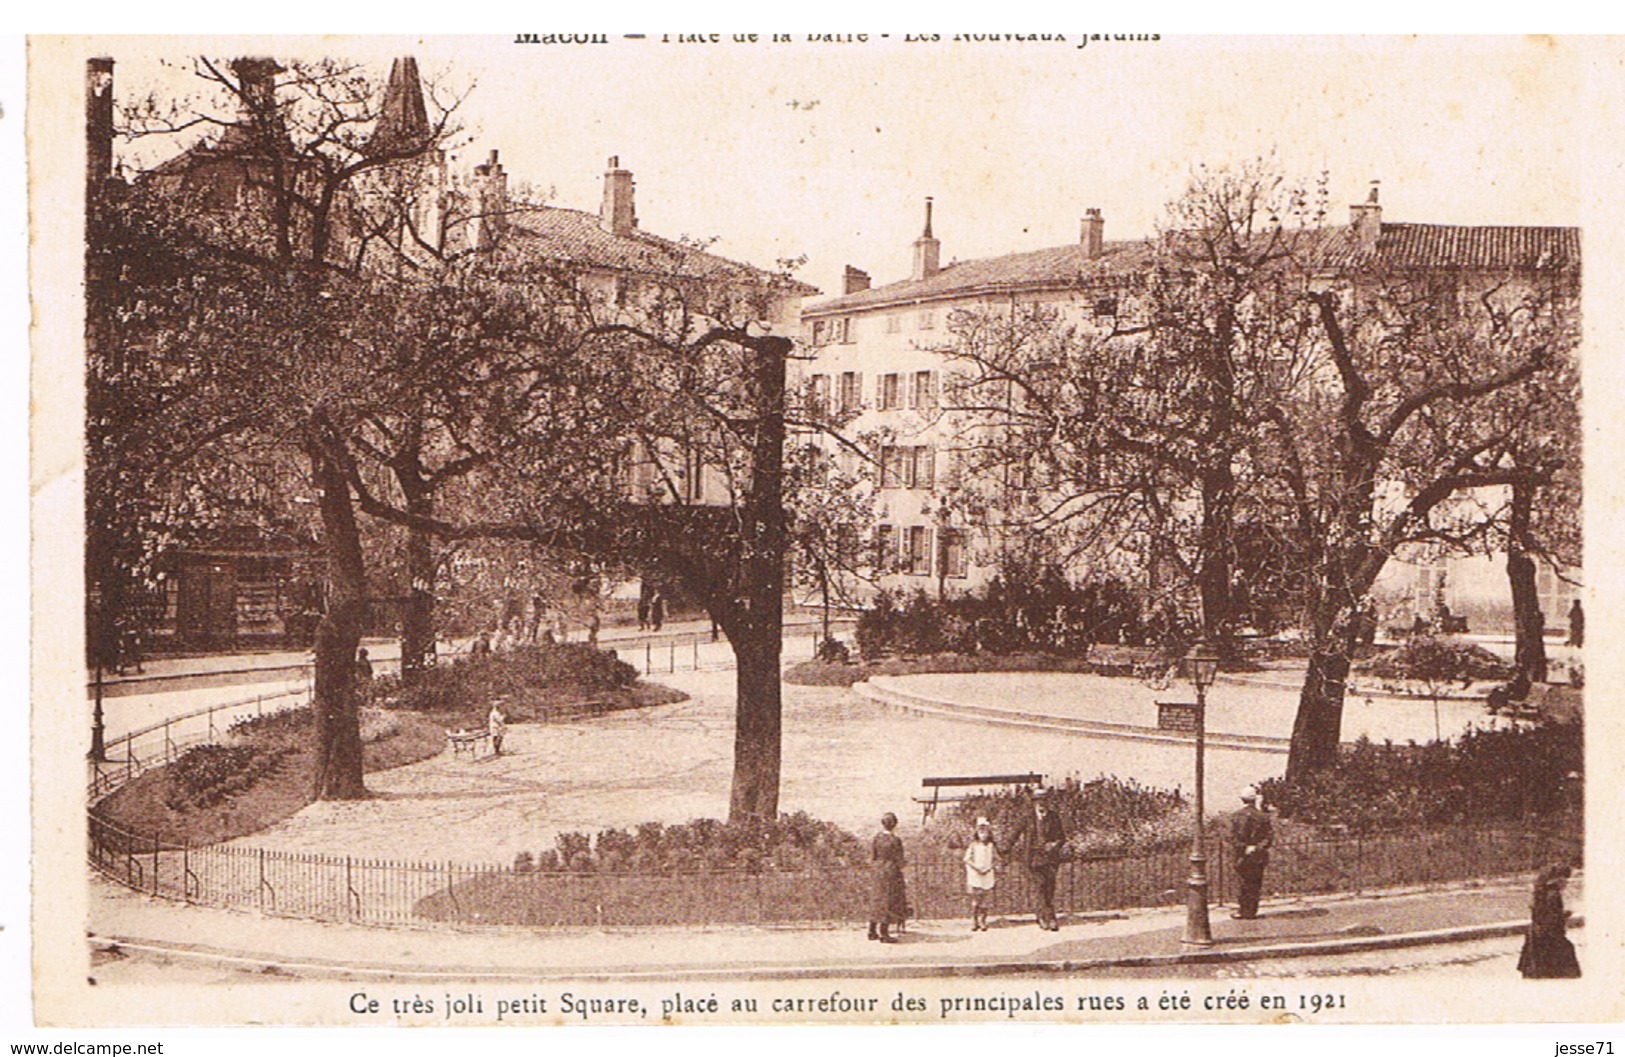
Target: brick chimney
259,125
856,279
1092,235
927,250
1365,219
98,121
617,215
490,202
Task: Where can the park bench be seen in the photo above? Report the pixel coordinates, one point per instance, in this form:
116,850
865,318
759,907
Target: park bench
937,785
466,741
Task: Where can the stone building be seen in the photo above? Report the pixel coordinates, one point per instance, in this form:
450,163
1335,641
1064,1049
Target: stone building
250,586
880,362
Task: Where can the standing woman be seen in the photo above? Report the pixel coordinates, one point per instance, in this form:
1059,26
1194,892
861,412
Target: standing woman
889,904
1547,952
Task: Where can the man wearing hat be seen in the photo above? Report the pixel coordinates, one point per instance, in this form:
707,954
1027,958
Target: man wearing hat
1250,840
1037,843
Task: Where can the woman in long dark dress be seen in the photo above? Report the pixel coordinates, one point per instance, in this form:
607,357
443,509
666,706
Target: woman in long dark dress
1547,952
889,903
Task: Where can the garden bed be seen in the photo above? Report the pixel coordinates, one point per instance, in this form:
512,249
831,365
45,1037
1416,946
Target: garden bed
265,773
824,673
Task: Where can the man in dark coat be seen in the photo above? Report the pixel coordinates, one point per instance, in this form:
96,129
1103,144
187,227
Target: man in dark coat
1250,839
1036,842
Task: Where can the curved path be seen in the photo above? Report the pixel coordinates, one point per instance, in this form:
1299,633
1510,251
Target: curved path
1244,713
846,760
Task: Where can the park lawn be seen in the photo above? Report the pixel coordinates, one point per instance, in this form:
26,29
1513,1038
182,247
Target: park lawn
824,673
140,805
391,738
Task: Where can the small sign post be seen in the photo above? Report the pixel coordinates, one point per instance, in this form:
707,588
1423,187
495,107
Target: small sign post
1179,717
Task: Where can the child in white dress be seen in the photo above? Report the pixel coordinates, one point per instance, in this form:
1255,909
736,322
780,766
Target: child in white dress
979,876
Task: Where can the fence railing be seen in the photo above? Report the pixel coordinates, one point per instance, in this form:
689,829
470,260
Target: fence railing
162,742
695,651
385,892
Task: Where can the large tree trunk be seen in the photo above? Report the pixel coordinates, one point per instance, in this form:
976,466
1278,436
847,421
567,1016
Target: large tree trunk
1217,568
336,699
1317,732
1529,623
757,725
759,642
417,622
1348,571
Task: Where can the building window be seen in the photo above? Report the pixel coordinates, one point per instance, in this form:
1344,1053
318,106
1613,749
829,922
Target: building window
820,330
923,468
919,550
908,466
818,394
923,390
955,559
891,392
893,466
928,319
851,391
894,323
846,331
883,547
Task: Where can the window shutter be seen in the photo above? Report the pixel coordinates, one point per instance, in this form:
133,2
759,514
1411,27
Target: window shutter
928,466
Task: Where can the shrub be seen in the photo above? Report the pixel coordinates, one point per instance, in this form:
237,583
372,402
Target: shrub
520,674
792,841
288,727
1484,775
1430,659
207,774
1019,611
834,651
1107,815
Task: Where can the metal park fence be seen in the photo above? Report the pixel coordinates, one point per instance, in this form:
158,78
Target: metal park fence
697,651
162,742
384,892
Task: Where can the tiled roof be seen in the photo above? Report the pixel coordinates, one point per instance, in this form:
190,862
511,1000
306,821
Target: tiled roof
1452,246
576,237
1398,245
1058,266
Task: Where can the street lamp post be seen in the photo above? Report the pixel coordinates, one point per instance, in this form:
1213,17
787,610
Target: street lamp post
1203,665
98,727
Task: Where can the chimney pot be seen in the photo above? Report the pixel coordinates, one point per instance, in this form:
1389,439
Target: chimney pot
1365,219
98,120
1092,233
927,250
618,214
856,279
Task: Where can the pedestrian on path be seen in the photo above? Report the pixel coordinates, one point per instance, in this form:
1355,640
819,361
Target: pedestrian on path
979,873
889,903
497,724
1547,952
1577,624
1037,843
1250,840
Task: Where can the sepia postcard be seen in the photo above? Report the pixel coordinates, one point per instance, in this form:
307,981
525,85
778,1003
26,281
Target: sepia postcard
824,529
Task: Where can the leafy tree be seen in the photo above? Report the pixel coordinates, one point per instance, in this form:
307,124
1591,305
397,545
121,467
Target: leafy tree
1259,382
1129,431
282,305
